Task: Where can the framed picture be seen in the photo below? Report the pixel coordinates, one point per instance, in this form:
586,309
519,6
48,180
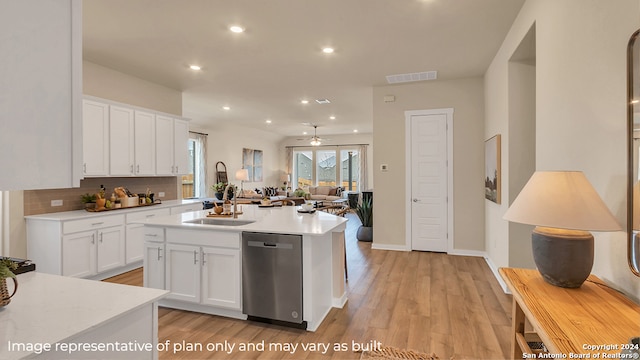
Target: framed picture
252,161
492,179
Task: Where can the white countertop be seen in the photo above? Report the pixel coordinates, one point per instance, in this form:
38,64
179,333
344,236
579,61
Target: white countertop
83,214
50,308
283,219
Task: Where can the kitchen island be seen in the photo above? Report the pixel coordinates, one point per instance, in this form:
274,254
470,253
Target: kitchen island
51,316
201,264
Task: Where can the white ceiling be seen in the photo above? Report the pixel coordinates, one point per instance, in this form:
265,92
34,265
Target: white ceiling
264,72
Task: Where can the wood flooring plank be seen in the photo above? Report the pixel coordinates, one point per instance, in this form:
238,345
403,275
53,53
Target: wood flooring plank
428,302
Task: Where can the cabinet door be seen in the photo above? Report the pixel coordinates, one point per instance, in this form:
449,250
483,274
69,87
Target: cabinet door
164,145
95,135
221,277
120,141
153,265
79,254
134,243
41,94
183,272
181,146
186,208
145,143
110,248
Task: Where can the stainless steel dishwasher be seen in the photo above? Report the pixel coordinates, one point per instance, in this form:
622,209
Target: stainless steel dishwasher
272,278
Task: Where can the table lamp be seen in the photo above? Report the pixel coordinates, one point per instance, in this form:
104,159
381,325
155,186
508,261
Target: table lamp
564,207
242,175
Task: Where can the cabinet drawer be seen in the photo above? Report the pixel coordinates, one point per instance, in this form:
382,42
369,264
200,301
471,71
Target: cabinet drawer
225,239
155,234
92,223
186,208
147,214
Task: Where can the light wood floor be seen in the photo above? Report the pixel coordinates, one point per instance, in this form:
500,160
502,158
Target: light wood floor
428,302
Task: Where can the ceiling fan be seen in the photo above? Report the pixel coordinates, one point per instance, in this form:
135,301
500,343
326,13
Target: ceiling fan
315,140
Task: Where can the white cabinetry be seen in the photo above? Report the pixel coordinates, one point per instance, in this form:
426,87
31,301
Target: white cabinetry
121,137
145,143
89,252
136,233
203,267
154,254
41,94
95,132
186,208
172,138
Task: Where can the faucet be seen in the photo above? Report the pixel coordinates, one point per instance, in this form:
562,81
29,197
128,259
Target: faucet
235,200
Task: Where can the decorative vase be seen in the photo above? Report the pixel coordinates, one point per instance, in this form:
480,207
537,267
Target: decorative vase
5,298
100,203
218,195
365,233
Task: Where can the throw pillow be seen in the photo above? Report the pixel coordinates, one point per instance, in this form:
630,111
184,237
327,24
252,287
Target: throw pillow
258,191
333,192
270,191
339,190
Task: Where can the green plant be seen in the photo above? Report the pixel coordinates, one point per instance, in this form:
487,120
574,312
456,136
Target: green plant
6,267
364,210
299,193
219,187
88,198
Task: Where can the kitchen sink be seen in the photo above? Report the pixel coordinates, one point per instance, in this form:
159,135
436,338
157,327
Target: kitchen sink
222,222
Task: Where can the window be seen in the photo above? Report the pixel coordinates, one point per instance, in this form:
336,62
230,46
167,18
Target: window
327,167
193,183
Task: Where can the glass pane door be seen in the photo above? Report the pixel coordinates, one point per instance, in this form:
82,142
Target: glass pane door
326,167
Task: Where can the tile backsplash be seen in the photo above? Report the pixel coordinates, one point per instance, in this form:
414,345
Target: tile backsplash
39,201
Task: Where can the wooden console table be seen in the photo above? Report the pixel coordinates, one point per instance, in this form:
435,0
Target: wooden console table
592,319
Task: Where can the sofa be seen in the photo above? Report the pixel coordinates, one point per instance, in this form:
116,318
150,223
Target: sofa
327,193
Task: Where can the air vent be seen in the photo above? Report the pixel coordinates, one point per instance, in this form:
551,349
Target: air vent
419,76
323,101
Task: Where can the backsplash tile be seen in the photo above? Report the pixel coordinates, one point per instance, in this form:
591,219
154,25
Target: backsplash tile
39,201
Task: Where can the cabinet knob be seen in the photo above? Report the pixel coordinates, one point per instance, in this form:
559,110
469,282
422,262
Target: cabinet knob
195,257
159,253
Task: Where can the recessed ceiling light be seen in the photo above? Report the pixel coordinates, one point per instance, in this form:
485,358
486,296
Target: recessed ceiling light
328,50
195,67
268,121
635,101
236,29
304,133
355,130
304,102
332,117
226,108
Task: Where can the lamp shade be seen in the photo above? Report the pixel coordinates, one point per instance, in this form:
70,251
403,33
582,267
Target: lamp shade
242,175
561,199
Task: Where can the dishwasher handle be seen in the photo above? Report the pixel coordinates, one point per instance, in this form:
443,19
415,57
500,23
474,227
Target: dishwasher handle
264,244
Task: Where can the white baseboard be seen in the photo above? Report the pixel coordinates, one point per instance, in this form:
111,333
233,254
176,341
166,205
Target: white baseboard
339,302
496,274
391,247
462,252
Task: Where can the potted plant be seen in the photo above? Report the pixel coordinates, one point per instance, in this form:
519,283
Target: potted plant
219,190
365,212
6,271
89,200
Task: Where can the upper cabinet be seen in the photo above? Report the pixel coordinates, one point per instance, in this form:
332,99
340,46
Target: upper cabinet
41,94
172,136
122,140
95,132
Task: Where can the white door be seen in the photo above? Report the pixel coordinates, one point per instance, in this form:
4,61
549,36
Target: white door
145,143
79,254
153,265
164,145
95,135
110,248
221,277
183,272
120,141
429,182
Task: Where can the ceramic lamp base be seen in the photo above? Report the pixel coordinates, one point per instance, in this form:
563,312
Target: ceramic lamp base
564,257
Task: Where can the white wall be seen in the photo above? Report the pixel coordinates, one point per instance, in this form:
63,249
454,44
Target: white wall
466,97
580,111
225,143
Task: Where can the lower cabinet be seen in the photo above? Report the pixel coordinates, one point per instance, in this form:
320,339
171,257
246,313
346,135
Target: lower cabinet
203,275
91,252
153,273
